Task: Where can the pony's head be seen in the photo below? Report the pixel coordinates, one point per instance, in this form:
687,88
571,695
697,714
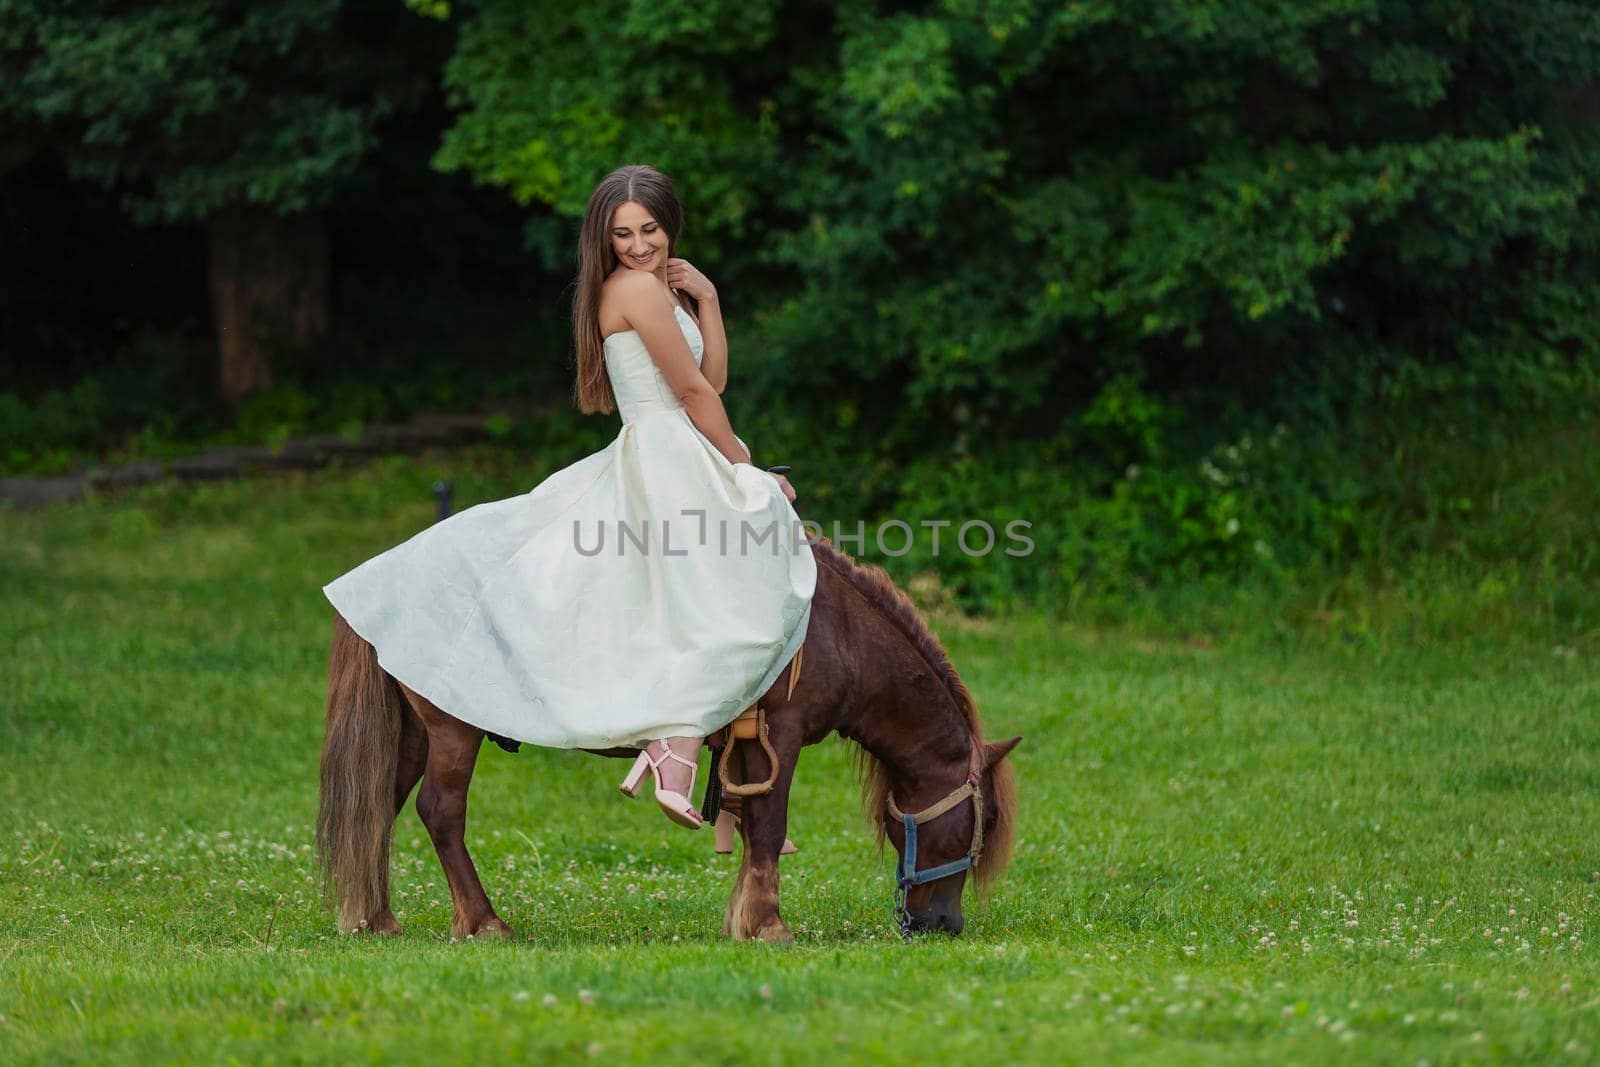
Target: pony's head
916,723
951,834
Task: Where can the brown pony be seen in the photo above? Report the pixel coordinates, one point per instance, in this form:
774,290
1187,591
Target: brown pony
872,671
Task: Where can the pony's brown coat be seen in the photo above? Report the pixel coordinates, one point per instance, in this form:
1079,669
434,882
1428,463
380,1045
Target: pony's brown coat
892,603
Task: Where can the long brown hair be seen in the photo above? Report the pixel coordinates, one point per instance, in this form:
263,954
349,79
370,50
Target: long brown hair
645,185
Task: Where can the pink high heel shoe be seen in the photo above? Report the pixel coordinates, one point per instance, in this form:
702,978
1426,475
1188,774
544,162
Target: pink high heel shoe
677,805
728,822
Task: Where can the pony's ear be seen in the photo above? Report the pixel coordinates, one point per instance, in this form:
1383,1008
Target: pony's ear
998,750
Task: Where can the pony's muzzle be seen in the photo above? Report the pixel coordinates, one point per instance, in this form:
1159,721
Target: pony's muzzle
937,918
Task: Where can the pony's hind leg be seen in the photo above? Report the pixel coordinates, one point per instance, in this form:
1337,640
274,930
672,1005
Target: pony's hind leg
452,752
411,759
413,756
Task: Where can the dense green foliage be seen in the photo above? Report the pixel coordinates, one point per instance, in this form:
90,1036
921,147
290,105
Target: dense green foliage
189,109
1243,847
1199,289
981,210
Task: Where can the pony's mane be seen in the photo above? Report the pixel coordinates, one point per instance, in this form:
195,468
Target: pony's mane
892,603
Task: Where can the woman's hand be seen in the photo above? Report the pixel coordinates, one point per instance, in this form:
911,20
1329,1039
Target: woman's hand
788,490
681,274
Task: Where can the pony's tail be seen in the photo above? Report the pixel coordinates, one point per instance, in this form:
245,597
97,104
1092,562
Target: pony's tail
355,818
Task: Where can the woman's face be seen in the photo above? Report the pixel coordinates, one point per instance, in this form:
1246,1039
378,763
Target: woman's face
638,240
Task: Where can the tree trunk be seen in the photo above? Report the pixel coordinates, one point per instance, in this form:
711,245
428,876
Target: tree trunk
269,287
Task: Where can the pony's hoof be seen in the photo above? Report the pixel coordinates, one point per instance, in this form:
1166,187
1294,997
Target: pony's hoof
490,928
385,925
775,933
496,929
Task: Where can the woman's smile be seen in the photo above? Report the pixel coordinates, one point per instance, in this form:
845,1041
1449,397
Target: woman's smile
638,240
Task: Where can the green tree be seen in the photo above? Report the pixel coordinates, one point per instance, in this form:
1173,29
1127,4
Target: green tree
963,213
244,117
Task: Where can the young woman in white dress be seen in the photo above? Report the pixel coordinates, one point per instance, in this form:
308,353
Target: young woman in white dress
640,294
507,616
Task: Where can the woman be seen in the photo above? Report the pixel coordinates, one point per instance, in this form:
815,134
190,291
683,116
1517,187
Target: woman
639,597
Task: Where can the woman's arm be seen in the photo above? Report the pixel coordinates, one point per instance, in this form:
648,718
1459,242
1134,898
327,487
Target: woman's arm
714,361
648,310
685,277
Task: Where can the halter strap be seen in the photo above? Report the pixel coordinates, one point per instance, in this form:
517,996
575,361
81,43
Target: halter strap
906,873
962,792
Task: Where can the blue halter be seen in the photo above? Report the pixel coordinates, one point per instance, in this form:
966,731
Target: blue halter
907,877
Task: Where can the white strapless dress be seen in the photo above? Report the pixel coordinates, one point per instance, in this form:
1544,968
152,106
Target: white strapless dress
648,590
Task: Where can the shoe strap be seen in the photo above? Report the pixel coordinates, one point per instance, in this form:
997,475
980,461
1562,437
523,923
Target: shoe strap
691,764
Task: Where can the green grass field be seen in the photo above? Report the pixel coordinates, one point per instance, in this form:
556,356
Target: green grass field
1231,850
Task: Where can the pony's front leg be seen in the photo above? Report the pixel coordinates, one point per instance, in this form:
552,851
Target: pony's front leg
763,825
735,907
442,802
736,899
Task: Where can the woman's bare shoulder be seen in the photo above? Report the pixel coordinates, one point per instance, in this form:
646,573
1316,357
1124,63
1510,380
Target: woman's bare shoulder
631,287
622,296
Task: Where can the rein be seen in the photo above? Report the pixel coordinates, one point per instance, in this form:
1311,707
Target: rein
907,877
